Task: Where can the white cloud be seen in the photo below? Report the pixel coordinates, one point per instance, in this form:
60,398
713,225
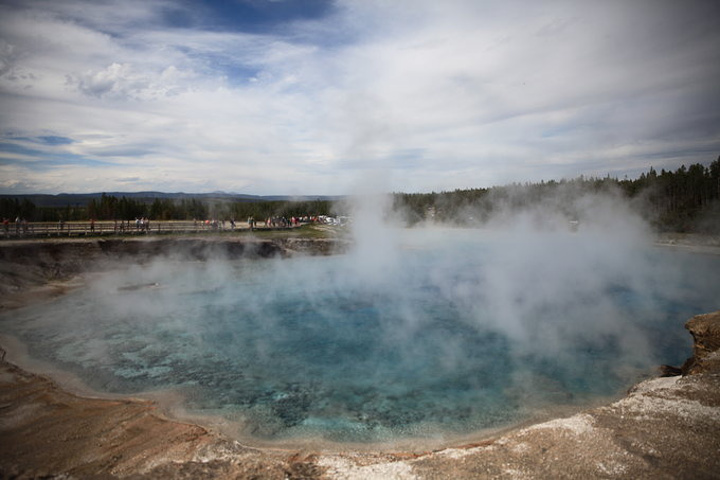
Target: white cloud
439,95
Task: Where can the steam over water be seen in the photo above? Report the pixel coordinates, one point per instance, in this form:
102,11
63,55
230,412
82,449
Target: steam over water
444,332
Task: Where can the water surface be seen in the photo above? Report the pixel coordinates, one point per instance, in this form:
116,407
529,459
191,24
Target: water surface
440,334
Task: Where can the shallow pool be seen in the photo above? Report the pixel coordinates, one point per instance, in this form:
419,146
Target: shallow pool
433,333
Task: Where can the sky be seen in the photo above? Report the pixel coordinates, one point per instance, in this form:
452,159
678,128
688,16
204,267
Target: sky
314,97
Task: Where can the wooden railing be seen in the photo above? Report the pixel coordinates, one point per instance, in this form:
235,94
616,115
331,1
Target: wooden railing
100,228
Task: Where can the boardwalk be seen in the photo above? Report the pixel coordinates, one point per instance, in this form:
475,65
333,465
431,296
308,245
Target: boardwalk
105,228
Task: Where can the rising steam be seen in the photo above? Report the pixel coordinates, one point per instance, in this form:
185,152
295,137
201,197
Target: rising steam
413,331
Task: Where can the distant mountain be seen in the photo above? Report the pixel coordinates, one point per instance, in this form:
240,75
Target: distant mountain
82,199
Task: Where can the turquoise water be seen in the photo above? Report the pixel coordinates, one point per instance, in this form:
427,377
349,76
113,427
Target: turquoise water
425,338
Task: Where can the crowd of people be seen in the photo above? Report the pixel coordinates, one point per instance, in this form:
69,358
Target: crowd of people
142,225
21,226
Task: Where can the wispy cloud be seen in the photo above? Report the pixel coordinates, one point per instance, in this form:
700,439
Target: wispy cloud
436,95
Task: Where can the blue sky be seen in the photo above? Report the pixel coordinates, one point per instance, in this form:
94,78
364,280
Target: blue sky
314,97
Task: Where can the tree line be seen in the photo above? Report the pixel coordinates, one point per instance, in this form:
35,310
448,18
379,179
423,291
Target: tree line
684,200
110,207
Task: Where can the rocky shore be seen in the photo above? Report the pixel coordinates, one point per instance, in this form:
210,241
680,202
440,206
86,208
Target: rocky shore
37,268
665,427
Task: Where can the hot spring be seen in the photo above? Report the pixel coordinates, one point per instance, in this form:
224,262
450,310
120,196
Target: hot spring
439,333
